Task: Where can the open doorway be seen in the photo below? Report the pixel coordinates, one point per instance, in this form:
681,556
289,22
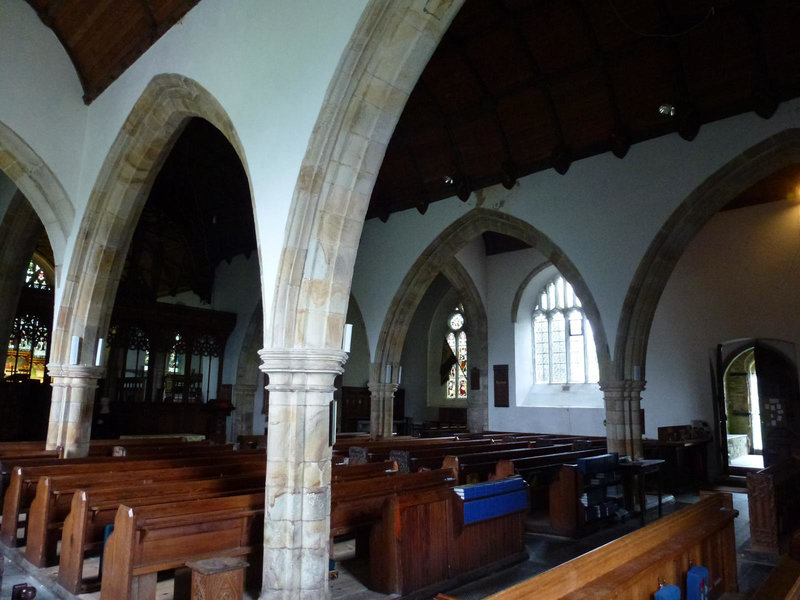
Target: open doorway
758,403
743,436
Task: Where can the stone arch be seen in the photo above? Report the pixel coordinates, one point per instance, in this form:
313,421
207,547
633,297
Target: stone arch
445,246
655,269
41,188
515,305
248,374
117,200
102,241
388,51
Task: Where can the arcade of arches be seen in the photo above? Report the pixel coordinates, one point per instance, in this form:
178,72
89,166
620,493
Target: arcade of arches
207,225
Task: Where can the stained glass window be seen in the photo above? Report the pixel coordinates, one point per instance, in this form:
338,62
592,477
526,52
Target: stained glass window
563,344
35,277
27,348
457,342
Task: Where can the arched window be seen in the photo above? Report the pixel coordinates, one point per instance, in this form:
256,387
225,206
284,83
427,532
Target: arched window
457,342
563,344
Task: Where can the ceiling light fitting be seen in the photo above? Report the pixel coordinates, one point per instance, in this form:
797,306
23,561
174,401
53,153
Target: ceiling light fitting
668,110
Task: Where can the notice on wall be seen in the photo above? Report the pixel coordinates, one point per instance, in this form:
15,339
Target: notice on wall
501,386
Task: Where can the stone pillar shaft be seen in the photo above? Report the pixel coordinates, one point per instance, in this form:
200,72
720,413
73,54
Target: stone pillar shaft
71,407
297,512
623,422
381,418
243,396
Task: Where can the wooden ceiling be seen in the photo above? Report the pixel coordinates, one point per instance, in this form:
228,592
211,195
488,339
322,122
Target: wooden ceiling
105,37
198,214
518,86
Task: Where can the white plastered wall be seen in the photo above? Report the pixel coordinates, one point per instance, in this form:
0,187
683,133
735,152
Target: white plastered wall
602,214
738,278
268,63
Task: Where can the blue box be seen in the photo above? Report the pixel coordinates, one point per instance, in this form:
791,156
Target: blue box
668,592
697,583
490,507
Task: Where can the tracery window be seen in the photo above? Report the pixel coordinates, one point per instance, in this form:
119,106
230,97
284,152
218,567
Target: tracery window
35,277
457,341
27,348
563,345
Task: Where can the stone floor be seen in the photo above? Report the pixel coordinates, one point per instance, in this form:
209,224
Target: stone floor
544,551
750,461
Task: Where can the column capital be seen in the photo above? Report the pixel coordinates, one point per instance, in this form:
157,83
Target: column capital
245,388
381,387
75,371
622,385
302,360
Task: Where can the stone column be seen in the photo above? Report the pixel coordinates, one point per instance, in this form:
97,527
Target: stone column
623,423
297,512
71,406
243,397
381,417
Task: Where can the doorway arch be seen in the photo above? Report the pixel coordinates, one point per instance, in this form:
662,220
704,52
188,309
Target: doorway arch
655,269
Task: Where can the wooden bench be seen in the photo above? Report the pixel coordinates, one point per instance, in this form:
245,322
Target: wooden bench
358,503
150,539
53,499
772,499
349,472
424,543
631,567
8,463
92,510
782,583
472,468
22,486
431,458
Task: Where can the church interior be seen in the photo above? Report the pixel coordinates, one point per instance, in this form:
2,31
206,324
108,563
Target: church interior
416,299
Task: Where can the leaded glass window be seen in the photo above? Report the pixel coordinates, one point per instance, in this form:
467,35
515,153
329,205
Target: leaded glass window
35,277
457,342
27,348
563,345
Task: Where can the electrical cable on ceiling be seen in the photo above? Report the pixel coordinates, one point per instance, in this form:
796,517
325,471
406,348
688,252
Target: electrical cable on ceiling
709,15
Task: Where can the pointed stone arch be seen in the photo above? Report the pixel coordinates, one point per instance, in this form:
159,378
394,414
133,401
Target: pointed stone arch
655,269
387,52
447,245
103,238
41,188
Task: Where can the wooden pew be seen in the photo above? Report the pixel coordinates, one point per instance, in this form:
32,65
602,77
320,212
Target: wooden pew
349,472
358,503
149,539
22,487
185,449
52,503
631,567
772,498
472,468
782,583
8,463
92,510
431,458
424,543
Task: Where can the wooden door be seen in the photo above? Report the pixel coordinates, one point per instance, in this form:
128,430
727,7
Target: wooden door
778,394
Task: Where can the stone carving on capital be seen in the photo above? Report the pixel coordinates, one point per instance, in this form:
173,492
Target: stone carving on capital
301,369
